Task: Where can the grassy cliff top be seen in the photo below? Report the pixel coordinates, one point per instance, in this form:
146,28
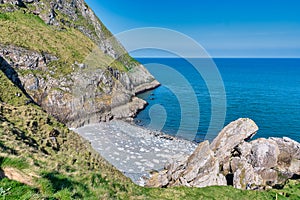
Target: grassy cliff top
69,45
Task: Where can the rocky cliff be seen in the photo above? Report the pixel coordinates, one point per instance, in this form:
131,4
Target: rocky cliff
231,159
62,56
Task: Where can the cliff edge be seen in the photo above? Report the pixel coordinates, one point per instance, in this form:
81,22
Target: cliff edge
62,56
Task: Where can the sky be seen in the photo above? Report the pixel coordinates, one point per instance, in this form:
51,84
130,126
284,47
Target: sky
232,28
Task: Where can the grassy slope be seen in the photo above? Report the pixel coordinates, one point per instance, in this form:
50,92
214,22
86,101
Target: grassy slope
68,168
69,45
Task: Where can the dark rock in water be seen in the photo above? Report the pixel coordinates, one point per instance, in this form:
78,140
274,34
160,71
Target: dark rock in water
259,164
138,121
19,3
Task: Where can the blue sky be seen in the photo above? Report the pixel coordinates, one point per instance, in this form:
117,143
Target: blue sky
232,28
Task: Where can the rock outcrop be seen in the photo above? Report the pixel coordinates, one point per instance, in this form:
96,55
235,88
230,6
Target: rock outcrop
231,136
76,91
232,160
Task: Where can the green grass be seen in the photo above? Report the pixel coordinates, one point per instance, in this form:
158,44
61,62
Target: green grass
18,163
4,16
14,190
290,190
9,91
69,45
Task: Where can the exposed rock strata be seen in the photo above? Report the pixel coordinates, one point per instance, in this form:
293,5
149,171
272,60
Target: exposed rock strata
85,95
81,97
258,164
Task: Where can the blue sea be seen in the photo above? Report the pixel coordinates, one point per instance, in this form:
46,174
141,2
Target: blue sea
265,90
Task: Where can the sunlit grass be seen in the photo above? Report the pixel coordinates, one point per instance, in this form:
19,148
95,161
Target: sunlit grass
18,163
69,44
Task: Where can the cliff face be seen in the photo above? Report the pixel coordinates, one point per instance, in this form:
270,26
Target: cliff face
66,60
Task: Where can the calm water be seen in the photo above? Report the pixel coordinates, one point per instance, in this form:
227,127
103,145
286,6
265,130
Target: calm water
265,90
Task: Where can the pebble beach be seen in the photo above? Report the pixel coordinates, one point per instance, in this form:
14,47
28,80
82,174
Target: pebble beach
134,150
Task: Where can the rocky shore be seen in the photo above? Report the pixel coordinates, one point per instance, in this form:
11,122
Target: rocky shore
231,158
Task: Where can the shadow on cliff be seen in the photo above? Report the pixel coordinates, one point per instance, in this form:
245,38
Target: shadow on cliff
13,76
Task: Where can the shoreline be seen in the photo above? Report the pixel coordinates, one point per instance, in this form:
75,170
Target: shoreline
134,150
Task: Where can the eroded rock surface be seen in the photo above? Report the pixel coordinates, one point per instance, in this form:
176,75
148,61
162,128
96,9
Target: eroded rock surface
289,155
258,164
199,170
232,135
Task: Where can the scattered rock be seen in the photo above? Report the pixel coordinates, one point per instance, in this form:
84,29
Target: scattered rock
134,148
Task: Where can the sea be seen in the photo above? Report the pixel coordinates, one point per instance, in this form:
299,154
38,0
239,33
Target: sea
198,96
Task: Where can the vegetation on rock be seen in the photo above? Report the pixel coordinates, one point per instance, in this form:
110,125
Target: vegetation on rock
56,47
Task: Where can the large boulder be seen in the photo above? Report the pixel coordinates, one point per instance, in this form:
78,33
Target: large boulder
158,179
243,150
244,176
289,155
265,163
270,177
176,168
231,136
264,153
201,169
